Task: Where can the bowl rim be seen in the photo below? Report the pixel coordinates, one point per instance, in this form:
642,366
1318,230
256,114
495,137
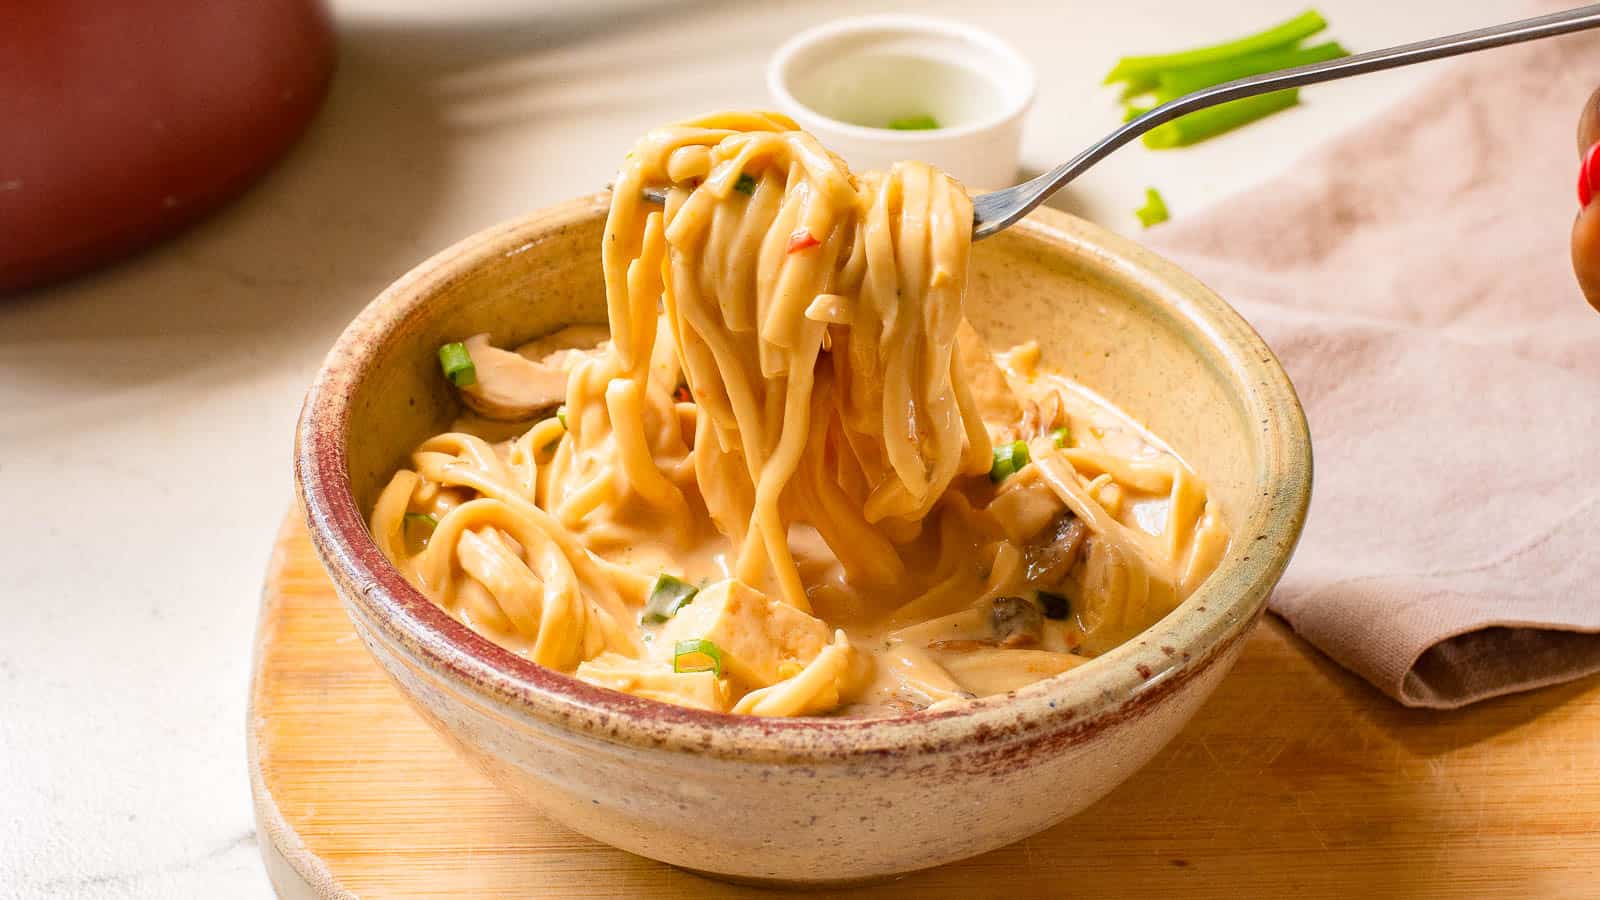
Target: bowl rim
779,75
1124,682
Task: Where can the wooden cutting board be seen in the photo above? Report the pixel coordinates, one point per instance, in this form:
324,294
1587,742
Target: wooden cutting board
1296,779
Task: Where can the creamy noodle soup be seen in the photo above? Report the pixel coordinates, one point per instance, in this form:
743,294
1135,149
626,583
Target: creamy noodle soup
789,478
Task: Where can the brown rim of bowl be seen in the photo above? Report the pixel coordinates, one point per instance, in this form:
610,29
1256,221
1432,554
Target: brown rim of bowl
1116,685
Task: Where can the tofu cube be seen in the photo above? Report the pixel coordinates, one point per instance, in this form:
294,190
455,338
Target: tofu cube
756,635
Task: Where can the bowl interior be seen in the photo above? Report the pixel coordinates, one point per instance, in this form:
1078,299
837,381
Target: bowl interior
869,71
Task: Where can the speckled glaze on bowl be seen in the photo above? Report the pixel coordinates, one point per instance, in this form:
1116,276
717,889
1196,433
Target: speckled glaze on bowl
816,801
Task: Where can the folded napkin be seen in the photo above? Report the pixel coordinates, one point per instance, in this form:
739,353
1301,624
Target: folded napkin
1414,278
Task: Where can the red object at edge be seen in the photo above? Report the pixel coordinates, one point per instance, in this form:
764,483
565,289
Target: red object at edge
1588,174
121,123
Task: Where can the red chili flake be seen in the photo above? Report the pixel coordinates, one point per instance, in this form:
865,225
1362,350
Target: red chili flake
802,240
681,394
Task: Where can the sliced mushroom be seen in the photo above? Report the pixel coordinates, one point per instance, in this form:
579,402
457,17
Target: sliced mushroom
511,387
1017,621
1040,416
1024,508
558,348
1054,551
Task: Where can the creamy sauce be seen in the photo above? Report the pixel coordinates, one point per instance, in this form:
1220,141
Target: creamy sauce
792,480
937,650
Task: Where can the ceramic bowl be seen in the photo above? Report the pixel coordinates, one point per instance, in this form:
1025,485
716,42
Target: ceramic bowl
816,801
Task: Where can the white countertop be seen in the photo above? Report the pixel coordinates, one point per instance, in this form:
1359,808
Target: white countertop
146,412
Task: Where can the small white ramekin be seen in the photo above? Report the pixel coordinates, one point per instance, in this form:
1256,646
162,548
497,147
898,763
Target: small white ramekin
879,66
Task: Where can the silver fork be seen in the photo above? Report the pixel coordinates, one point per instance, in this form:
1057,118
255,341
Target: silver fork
996,210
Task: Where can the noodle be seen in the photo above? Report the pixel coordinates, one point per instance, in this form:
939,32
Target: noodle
791,412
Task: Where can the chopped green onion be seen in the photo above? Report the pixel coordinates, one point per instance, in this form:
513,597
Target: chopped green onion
667,595
561,415
1177,82
915,123
1142,73
457,364
696,655
550,447
419,521
1008,460
1207,123
1133,89
1061,436
745,185
1153,212
1180,82
1056,606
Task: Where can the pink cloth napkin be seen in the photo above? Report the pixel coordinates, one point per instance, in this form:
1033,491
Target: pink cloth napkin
1414,278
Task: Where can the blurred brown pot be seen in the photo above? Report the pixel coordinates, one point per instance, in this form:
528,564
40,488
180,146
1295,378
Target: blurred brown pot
122,122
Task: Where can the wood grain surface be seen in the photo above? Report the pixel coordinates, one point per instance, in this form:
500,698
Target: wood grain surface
1296,779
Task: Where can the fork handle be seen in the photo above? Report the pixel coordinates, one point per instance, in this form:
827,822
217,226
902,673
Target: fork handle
996,210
